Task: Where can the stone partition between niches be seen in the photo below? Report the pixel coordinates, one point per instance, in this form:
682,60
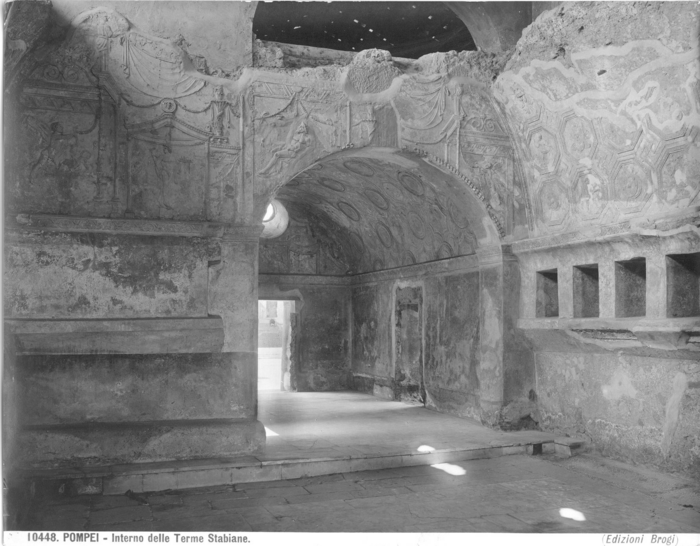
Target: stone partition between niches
107,409
644,410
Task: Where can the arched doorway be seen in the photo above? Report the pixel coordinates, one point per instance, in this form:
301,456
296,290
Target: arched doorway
377,239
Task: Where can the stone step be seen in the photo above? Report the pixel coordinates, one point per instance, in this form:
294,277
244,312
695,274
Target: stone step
161,476
568,446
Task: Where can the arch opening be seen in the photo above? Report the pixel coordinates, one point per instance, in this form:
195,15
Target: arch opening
375,209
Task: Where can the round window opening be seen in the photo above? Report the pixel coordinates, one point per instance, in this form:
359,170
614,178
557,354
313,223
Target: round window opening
275,221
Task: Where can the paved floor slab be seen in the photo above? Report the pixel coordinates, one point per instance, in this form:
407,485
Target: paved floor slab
357,425
518,494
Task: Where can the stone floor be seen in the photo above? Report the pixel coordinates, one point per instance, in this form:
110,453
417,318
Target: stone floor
481,492
313,434
338,425
519,493
269,368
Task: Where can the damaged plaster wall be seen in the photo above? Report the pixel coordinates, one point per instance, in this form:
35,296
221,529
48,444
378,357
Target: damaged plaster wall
127,288
644,410
602,102
88,275
447,297
372,339
452,344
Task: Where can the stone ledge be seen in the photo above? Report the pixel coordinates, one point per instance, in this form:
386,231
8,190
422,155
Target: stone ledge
639,335
658,225
136,226
133,336
159,476
568,447
28,326
641,324
448,266
283,279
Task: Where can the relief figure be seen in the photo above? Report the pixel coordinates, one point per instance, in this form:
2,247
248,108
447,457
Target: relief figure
297,143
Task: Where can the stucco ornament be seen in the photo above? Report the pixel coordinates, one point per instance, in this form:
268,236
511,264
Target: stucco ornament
156,67
97,29
372,71
297,143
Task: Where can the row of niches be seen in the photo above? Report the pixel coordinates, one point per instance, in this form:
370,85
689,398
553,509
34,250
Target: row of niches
630,281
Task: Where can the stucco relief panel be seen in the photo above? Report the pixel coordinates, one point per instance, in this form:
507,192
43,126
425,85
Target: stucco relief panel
553,203
544,151
151,65
490,168
223,190
363,123
428,112
590,193
625,124
56,164
293,126
631,186
167,182
477,111
118,122
580,140
679,177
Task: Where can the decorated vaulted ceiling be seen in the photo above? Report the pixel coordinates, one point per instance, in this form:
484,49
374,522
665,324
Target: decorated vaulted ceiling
390,209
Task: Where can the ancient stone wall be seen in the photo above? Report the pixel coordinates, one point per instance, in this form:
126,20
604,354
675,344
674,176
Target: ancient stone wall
323,344
144,145
602,103
123,273
372,339
417,337
101,276
640,409
452,344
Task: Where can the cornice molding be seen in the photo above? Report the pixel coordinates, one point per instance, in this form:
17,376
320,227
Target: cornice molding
241,233
133,226
662,227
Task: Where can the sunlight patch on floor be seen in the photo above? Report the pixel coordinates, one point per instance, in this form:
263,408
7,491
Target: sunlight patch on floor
270,432
570,513
452,469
